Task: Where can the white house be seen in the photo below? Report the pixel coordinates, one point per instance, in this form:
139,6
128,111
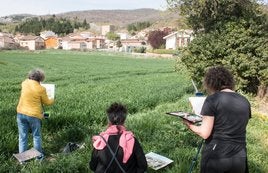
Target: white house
79,42
178,39
128,45
32,42
123,35
78,45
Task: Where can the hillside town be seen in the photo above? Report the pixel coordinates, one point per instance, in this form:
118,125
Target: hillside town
87,40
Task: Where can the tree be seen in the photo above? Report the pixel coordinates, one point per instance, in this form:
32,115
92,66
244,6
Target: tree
112,36
248,61
211,14
35,26
85,25
131,27
138,26
118,43
236,38
155,38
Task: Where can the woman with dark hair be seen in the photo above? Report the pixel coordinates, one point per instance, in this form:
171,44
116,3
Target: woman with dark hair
225,118
117,150
29,110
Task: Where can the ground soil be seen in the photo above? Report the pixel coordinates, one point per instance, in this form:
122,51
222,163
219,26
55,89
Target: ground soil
261,106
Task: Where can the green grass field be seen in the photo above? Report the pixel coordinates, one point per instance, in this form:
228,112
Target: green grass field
86,83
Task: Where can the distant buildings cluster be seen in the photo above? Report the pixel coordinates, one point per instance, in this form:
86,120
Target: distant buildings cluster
89,41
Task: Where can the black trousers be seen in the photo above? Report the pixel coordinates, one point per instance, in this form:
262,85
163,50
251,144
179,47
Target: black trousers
226,165
235,164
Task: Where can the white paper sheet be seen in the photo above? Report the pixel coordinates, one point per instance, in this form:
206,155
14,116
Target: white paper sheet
156,161
197,104
50,89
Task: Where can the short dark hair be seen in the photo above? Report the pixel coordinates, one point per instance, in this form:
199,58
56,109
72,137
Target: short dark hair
37,75
117,113
218,78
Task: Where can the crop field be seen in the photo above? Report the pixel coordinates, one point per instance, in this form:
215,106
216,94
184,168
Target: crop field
86,84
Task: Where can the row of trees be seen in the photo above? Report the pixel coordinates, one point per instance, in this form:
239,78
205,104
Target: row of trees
60,26
232,33
138,26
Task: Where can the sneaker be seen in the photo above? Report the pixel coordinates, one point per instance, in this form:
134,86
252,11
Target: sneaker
22,163
40,158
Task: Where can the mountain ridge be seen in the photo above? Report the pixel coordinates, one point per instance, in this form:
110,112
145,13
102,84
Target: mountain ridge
118,17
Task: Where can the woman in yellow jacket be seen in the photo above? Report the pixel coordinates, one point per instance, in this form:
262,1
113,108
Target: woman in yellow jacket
30,111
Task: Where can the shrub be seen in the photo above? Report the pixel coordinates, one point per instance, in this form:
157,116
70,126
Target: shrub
241,48
140,50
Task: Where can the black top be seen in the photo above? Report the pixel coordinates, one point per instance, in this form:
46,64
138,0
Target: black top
231,113
101,158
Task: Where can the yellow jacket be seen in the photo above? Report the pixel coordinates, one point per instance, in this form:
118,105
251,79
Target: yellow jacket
33,95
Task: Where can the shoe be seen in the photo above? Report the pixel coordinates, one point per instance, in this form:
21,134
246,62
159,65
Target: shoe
40,158
22,163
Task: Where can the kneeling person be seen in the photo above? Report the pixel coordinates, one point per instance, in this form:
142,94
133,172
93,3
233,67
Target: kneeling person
116,140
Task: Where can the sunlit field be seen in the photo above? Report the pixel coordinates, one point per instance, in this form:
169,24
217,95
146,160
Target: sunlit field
86,84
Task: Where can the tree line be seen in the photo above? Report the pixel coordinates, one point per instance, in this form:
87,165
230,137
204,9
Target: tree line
60,26
138,26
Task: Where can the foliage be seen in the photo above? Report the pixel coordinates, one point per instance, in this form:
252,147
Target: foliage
211,14
118,43
148,86
60,26
155,38
236,38
85,25
8,27
241,49
138,26
140,49
112,36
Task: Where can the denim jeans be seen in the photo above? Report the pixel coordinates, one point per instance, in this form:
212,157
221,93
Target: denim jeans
24,124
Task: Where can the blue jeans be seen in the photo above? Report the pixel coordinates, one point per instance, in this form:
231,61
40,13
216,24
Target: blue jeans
24,124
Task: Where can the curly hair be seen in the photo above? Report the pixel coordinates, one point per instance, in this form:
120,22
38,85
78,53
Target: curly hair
218,78
117,113
37,75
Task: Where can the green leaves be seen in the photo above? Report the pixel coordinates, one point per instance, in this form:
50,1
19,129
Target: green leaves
232,33
236,46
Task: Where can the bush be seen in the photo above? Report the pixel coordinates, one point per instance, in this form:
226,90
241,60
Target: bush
140,50
240,47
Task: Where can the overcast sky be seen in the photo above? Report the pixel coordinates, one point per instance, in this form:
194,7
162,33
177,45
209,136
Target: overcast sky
40,7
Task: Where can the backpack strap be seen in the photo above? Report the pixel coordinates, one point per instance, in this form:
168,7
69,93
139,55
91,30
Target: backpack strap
113,156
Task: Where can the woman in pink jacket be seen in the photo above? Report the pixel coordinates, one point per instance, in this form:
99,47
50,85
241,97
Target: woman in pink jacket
116,150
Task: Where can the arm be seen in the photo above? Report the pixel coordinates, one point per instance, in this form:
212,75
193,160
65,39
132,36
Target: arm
205,129
140,158
44,98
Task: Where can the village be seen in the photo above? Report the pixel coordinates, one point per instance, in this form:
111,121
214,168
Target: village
87,41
